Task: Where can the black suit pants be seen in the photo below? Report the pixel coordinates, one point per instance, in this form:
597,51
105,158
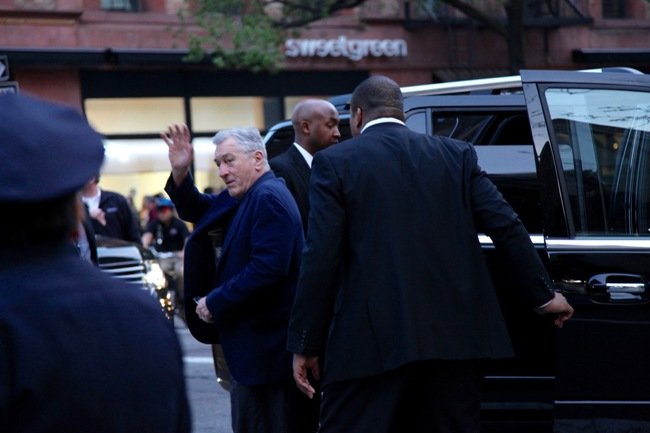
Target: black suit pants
422,397
272,408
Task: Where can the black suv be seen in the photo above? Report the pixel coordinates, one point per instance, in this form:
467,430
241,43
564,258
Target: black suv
571,152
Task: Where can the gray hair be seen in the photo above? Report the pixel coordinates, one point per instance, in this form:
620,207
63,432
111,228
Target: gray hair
248,139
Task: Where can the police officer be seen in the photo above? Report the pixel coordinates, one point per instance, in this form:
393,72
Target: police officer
79,350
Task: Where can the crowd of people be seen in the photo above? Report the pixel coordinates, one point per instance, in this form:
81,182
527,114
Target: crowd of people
343,281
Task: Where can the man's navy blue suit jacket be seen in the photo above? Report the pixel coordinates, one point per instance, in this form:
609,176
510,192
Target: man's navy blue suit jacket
250,292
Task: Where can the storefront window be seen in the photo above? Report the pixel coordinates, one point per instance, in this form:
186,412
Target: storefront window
210,114
142,165
133,115
136,157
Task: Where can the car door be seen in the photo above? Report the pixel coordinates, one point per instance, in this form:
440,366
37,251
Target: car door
517,393
591,133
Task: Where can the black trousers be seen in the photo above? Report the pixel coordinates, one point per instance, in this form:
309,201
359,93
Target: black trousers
272,408
433,396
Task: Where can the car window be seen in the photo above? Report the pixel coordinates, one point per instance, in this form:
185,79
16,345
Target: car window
279,140
512,169
603,137
505,151
465,127
417,121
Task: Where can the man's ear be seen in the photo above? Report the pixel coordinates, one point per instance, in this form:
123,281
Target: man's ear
357,118
259,159
304,127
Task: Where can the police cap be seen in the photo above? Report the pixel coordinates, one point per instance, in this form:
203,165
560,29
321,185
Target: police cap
47,151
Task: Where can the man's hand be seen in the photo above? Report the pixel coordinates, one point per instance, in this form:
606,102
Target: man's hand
181,152
203,312
559,306
301,366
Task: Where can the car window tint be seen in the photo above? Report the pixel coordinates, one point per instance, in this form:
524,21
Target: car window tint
417,121
504,147
466,127
512,169
603,137
280,141
344,129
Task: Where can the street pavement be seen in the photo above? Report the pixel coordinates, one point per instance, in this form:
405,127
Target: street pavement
209,402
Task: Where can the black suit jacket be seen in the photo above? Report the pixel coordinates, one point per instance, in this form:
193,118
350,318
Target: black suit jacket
292,167
392,270
120,222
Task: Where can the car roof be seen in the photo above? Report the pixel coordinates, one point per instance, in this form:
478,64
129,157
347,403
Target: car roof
494,86
466,101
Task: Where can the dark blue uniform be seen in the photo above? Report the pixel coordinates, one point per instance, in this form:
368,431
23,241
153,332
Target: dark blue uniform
168,237
83,352
120,222
80,351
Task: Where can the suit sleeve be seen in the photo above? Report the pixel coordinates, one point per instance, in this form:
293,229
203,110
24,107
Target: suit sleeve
321,261
190,204
496,218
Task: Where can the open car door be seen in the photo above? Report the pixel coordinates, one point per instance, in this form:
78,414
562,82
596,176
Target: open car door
591,133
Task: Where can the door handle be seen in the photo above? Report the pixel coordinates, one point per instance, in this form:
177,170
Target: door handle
618,289
571,287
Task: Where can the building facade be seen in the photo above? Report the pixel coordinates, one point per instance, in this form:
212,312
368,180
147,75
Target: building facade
122,62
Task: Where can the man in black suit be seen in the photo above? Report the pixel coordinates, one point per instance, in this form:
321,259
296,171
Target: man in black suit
315,125
110,212
394,291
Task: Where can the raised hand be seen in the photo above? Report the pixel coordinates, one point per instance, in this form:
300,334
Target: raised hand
181,152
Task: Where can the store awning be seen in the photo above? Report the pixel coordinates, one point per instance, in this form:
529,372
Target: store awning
84,57
613,56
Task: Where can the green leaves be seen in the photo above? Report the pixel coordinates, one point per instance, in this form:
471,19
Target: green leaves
249,34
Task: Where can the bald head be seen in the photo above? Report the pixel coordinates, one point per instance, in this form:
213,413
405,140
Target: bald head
377,96
315,124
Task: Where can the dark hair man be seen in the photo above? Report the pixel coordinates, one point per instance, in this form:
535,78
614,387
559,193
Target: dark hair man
80,351
394,291
110,212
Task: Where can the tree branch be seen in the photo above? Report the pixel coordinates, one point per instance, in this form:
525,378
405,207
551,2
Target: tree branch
300,13
478,15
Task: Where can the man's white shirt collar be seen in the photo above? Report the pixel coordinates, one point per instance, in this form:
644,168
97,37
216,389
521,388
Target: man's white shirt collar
308,156
382,120
93,202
